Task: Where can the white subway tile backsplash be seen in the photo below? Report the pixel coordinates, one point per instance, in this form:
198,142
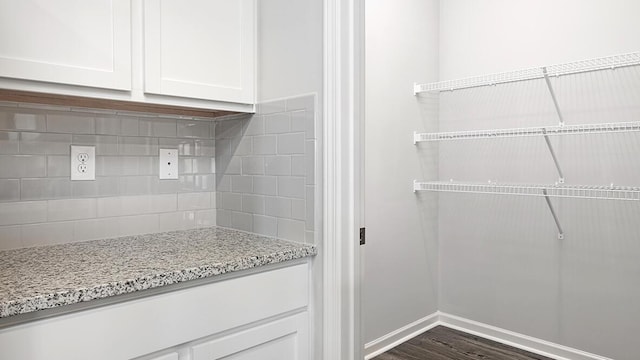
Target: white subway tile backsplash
231,201
291,230
255,126
234,166
137,225
22,166
203,165
194,129
265,185
277,165
204,148
194,201
242,221
299,121
206,182
265,145
126,197
241,184
47,234
44,143
310,164
265,225
168,186
214,200
102,186
45,188
186,147
129,126
59,165
93,229
289,144
181,220
71,209
185,165
22,119
9,189
9,142
277,123
224,183
298,209
242,147
272,107
116,165
277,206
228,129
291,187
253,204
223,218
205,218
253,165
105,144
70,123
310,208
108,126
134,185
158,127
24,212
298,165
137,145
10,237
136,205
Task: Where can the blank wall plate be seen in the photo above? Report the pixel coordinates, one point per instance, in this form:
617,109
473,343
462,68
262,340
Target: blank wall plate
83,163
168,163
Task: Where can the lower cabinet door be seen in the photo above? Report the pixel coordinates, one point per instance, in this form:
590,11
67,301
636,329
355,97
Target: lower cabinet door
284,339
170,356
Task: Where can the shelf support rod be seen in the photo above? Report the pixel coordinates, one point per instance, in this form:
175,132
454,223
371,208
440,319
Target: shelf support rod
553,155
553,95
553,213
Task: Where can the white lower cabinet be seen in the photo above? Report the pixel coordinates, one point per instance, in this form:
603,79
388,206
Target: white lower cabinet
257,316
170,356
284,339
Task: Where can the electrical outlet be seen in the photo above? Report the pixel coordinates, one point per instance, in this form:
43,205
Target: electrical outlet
83,162
168,164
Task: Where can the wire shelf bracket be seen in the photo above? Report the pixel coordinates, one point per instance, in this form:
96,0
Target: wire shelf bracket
577,67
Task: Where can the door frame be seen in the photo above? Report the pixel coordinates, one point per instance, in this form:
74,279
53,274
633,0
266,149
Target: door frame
342,187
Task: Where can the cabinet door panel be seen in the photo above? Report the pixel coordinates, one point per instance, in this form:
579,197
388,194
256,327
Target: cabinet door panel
72,42
285,339
204,50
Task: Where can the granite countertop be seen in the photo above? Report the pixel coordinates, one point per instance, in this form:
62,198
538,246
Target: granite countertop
38,278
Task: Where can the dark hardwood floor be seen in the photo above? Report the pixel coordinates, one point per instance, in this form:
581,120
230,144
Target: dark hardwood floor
442,343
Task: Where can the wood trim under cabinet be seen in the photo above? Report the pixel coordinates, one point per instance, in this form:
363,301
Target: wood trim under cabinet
86,102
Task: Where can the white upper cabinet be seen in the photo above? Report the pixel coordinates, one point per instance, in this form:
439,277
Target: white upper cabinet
202,49
75,42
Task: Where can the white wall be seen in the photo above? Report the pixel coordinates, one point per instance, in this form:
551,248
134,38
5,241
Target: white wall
500,260
289,48
400,257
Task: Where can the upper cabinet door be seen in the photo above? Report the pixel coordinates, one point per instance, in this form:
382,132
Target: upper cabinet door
75,42
200,49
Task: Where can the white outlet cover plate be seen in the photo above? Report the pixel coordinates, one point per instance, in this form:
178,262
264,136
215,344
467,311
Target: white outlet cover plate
83,163
168,164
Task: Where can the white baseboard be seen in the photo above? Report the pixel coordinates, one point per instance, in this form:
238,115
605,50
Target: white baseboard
397,337
520,341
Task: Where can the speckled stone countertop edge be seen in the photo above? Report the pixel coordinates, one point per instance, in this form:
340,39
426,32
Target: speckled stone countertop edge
106,290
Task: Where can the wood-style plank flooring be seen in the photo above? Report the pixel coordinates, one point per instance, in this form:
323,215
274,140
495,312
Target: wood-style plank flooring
442,343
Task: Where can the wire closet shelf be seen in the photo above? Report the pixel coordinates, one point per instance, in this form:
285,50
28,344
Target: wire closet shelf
611,192
604,63
603,128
